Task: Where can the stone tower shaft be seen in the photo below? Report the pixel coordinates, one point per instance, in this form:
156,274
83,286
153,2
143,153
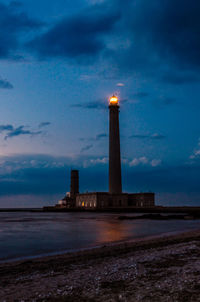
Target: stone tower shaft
115,183
74,188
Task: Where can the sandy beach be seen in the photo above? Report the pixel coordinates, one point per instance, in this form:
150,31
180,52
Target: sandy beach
165,268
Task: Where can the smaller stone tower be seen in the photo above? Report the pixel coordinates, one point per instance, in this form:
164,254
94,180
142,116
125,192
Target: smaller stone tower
74,189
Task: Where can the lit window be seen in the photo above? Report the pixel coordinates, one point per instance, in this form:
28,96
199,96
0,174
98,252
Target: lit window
83,203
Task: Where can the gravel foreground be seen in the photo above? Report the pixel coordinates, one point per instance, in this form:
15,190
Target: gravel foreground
165,268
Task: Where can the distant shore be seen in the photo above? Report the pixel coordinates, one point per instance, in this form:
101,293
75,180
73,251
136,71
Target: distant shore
157,209
161,268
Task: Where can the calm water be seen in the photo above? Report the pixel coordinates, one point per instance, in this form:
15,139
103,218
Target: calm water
31,234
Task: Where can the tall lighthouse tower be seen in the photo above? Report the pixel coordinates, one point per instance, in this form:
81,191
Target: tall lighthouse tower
115,182
114,198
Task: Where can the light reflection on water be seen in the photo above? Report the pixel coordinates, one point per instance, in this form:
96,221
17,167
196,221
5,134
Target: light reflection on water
25,234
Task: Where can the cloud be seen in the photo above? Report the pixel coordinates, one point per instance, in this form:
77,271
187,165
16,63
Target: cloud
196,153
163,100
12,131
4,84
140,136
155,162
90,105
141,94
175,30
6,128
46,175
97,138
21,131
144,161
11,164
169,100
120,84
95,1
44,124
86,148
170,29
26,175
126,35
155,36
170,179
100,136
180,79
18,131
80,37
87,77
41,175
137,161
98,161
15,4
155,136
13,23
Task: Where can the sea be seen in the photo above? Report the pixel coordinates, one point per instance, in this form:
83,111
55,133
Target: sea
25,235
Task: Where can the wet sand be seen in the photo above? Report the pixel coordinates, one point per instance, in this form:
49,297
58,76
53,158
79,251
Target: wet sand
162,268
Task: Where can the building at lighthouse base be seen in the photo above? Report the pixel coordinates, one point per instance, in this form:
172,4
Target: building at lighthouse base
103,200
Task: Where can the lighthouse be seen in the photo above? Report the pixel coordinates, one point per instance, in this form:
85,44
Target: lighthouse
115,182
114,198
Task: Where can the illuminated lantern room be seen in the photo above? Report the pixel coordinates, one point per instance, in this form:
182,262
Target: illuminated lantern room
114,101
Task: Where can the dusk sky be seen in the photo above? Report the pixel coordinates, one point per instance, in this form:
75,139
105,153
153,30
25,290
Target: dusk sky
62,60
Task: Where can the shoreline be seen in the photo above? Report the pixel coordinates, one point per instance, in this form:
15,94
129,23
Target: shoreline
97,247
129,263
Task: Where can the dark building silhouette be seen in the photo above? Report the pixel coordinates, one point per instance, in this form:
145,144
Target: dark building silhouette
115,198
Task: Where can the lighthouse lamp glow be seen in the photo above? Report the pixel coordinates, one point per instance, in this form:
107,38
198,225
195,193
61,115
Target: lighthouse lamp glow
114,100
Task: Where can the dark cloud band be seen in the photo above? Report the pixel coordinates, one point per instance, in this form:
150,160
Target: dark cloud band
4,84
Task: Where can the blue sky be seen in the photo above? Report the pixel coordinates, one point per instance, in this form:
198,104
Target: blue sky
61,60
